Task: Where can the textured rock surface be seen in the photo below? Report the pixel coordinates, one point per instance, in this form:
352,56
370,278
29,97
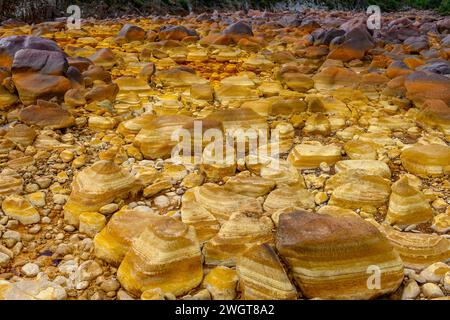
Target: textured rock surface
330,257
168,157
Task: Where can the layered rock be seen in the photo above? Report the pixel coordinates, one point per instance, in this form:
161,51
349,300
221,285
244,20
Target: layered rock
432,159
114,241
310,156
166,255
331,258
417,250
243,230
262,276
407,205
97,185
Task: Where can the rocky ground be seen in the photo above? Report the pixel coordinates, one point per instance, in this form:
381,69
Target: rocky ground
93,207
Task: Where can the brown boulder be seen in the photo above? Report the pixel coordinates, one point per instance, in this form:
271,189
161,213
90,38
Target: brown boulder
132,33
46,115
421,86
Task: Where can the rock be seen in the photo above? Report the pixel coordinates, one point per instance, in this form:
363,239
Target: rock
155,140
221,283
132,33
205,224
88,271
309,156
243,230
96,186
47,115
115,240
104,58
110,285
429,159
39,289
411,290
252,186
109,208
238,28
421,86
302,235
175,33
356,42
289,196
9,46
30,269
431,290
435,272
220,202
333,77
407,205
417,250
169,249
21,135
10,183
91,223
435,114
4,259
20,209
262,275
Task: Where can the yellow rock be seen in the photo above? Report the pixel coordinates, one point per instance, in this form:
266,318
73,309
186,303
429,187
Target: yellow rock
248,185
358,150
334,257
310,156
91,223
19,208
262,276
114,241
417,250
243,230
407,205
166,255
205,224
432,159
221,282
97,185
289,196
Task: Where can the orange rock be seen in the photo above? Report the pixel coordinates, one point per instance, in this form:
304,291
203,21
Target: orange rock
421,86
47,115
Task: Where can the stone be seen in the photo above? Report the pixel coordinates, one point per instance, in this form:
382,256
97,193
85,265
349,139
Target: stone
242,231
431,290
115,240
30,269
262,276
47,115
168,248
39,289
411,290
221,282
429,159
435,272
19,208
407,205
132,33
309,156
96,186
91,223
302,235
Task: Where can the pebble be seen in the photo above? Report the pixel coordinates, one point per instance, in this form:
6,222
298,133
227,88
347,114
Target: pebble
110,285
109,208
411,290
30,269
4,259
432,290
